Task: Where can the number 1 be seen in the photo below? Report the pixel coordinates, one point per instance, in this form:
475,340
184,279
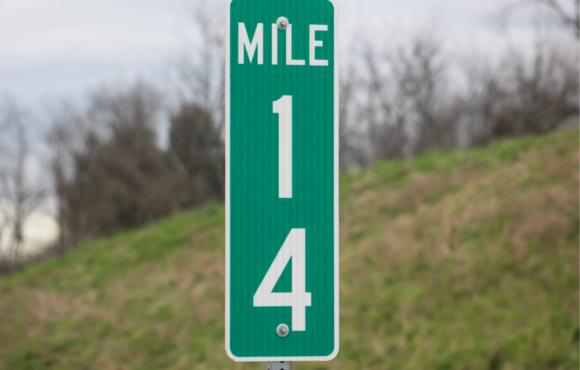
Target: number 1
283,107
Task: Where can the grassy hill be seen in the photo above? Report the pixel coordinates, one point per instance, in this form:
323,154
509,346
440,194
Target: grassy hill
464,260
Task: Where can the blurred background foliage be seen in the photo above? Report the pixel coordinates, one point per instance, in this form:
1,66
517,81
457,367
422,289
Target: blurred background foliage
459,211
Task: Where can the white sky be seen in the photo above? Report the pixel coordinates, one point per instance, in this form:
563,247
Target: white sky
59,48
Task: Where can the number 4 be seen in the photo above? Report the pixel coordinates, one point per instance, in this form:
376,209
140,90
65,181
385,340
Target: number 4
294,247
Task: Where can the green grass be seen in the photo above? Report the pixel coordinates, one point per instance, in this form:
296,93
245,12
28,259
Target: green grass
464,260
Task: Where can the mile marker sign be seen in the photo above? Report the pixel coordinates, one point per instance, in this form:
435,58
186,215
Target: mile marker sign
281,180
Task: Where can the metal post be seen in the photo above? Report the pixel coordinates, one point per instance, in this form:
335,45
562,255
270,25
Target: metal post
284,365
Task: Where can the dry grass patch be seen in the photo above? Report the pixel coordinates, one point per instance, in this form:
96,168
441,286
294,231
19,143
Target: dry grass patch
453,261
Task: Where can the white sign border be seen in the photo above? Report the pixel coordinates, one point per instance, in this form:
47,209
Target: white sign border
336,203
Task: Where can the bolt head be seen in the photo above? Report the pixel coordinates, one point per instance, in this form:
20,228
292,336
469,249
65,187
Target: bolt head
282,330
282,23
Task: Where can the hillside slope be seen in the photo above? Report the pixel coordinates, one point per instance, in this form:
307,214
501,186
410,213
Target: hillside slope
465,260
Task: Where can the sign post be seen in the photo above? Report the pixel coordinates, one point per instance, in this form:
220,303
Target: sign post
281,180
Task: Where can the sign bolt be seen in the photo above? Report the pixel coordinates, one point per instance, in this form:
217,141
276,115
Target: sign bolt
282,23
282,330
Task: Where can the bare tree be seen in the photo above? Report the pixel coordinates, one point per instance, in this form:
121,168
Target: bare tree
195,143
383,113
197,125
409,107
526,93
66,139
568,16
201,69
565,12
4,193
351,134
5,220
20,196
421,73
475,127
108,173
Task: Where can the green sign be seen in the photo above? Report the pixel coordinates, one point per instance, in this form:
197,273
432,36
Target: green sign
282,180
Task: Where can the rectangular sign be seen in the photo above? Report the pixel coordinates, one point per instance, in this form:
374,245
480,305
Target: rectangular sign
281,180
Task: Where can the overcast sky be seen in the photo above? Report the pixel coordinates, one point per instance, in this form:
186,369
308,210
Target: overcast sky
57,49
